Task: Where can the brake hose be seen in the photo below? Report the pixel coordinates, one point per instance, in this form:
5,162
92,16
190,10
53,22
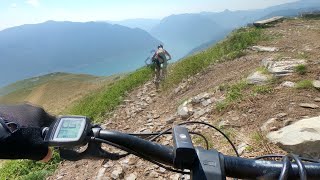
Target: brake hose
286,167
302,169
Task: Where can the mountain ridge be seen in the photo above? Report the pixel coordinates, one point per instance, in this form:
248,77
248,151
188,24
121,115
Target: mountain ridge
32,50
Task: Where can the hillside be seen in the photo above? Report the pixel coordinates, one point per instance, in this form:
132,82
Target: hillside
93,48
56,92
222,96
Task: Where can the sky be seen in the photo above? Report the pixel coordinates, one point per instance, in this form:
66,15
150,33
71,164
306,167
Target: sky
18,12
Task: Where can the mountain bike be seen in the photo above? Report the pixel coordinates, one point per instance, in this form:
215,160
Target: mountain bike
68,132
159,75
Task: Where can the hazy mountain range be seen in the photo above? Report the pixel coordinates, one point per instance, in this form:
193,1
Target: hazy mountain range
94,48
104,48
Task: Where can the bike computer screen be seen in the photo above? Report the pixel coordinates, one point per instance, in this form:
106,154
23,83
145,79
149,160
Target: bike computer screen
68,130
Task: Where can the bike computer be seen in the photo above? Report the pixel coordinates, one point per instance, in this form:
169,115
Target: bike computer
68,131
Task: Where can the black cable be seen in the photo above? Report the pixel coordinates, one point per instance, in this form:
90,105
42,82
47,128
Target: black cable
139,155
217,129
286,167
281,156
157,133
196,122
203,137
302,168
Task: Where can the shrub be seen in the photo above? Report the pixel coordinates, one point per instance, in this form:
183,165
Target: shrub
304,84
301,69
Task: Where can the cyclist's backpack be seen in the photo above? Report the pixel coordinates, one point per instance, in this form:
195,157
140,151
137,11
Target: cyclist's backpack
161,55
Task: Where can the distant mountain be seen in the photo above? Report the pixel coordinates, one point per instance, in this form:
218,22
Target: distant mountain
235,19
145,24
92,47
182,33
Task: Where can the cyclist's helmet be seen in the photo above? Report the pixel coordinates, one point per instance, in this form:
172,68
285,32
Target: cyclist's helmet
160,46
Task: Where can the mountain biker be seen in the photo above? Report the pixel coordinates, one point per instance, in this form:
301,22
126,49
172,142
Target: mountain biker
21,133
160,57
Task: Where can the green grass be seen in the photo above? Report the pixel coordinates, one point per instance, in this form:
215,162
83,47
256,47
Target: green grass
304,84
303,55
301,69
228,49
97,105
263,70
234,93
27,169
265,89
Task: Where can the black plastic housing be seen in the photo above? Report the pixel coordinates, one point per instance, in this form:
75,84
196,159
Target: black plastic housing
183,150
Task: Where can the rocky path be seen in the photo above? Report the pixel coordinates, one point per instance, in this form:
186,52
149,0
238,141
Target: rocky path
246,121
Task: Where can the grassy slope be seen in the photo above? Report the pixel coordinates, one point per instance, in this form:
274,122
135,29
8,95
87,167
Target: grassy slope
96,105
54,91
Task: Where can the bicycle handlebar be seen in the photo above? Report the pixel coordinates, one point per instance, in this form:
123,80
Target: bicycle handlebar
235,167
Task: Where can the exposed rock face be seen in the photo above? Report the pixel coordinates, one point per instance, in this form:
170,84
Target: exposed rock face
282,67
258,78
302,137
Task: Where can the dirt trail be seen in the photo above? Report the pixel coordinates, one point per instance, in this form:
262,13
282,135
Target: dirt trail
145,110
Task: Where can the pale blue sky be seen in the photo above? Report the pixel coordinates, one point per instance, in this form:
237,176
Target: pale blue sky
17,12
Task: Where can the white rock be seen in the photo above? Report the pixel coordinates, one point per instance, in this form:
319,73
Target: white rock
200,112
200,97
154,174
284,67
223,124
309,105
175,177
317,99
301,137
316,84
132,176
281,115
101,173
117,173
258,78
206,103
268,124
241,148
162,170
288,84
184,111
267,62
264,49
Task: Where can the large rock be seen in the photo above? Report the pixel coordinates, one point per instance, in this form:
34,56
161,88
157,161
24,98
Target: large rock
258,78
302,137
184,111
282,67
